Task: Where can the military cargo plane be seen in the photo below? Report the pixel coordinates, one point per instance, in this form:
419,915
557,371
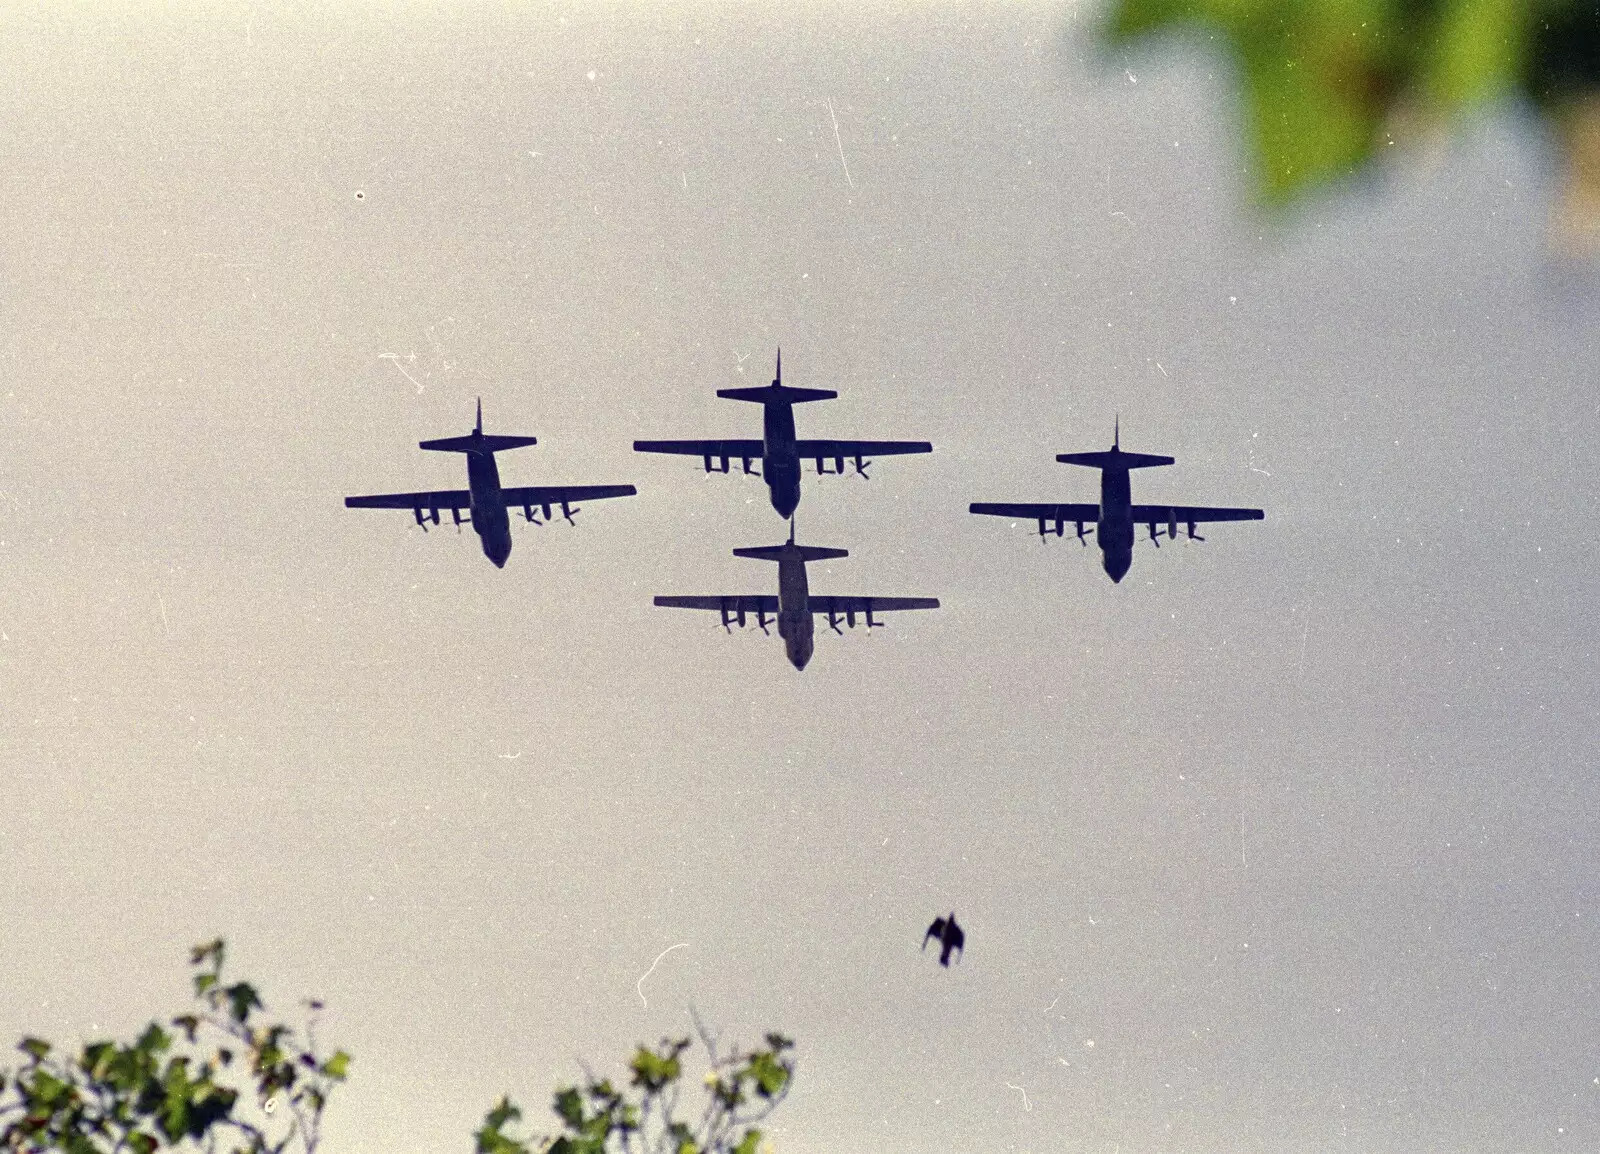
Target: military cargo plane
1116,515
779,452
484,499
794,605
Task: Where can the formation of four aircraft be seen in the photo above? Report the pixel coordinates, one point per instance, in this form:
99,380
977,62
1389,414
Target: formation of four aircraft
781,452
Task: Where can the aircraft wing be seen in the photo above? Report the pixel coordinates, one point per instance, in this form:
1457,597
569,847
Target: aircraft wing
438,499
1190,514
1040,513
838,449
847,607
562,494
528,497
869,604
729,603
733,607
744,450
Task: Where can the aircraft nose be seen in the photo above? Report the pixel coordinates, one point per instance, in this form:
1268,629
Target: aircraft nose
1117,565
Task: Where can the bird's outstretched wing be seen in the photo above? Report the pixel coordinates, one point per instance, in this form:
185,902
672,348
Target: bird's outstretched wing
935,931
955,939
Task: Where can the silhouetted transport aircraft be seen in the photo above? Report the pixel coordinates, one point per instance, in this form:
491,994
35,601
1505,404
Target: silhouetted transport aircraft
778,451
1116,515
794,605
487,504
948,935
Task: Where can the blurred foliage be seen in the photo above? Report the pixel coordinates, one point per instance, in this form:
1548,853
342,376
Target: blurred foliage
1330,83
741,1090
164,1091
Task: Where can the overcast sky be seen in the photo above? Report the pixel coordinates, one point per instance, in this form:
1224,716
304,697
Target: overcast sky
1286,843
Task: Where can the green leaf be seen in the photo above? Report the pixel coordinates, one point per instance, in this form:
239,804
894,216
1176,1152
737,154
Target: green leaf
242,998
1477,51
769,1074
504,1111
1321,79
188,1023
654,1071
680,1133
494,1142
749,1143
210,951
569,1106
154,1040
35,1048
97,1059
50,1092
336,1066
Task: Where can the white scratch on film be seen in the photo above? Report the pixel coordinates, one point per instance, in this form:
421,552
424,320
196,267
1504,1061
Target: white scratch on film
394,359
1026,1105
840,143
639,985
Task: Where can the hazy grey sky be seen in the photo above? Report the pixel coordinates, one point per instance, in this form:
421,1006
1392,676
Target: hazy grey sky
1296,827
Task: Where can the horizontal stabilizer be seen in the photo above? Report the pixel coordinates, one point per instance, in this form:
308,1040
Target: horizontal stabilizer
478,443
791,552
777,394
1114,459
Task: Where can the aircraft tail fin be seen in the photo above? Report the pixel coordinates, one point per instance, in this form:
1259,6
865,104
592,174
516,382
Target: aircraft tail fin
791,552
477,441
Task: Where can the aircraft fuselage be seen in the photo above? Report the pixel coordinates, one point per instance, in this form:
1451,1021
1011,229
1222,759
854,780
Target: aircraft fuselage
1114,530
780,462
795,624
490,521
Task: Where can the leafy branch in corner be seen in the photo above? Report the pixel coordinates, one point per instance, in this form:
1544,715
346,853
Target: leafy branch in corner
742,1089
171,1088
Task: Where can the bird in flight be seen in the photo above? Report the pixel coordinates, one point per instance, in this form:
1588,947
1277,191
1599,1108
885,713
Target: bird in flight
947,934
